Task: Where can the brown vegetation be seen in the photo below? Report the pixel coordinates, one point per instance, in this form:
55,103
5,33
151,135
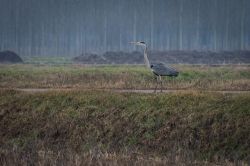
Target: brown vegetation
184,126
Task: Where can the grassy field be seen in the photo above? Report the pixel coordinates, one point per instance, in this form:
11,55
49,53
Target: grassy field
234,77
124,128
90,125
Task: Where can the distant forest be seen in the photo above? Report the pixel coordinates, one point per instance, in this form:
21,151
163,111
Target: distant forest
75,27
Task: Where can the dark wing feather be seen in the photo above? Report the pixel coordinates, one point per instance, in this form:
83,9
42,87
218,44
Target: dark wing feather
163,70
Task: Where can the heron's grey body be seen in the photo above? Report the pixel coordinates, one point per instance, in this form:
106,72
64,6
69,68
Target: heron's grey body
159,69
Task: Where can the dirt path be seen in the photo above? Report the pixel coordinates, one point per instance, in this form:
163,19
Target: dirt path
41,90
174,91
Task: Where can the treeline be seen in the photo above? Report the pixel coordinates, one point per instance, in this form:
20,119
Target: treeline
72,27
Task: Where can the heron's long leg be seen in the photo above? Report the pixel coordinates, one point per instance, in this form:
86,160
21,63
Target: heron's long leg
173,82
160,82
156,84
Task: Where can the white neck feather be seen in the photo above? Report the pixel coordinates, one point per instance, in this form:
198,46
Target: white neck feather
146,57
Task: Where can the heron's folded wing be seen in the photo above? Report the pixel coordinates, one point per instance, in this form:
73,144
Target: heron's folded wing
163,70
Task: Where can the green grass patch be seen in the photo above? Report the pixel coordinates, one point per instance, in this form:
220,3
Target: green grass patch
122,77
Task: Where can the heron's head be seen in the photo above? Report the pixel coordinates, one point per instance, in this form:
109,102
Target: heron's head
139,43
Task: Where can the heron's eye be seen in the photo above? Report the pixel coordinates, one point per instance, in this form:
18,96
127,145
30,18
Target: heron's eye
151,65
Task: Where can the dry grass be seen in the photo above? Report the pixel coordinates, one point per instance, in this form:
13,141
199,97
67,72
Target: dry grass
96,157
182,127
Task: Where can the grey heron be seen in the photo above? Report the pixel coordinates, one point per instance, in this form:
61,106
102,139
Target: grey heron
158,69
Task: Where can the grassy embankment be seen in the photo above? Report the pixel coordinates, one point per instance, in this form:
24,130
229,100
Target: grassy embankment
104,127
234,77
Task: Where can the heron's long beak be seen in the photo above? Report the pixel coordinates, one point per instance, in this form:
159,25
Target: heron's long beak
138,43
133,42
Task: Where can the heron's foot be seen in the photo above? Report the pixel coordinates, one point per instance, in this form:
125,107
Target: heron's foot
161,86
155,90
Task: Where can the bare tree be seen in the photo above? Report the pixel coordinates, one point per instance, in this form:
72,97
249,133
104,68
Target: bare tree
152,24
214,25
242,26
135,26
198,24
181,25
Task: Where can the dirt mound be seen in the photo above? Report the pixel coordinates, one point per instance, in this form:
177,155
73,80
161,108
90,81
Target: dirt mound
123,57
202,57
9,57
110,57
89,58
169,57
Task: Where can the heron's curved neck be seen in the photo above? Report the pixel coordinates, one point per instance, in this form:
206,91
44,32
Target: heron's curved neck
146,56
